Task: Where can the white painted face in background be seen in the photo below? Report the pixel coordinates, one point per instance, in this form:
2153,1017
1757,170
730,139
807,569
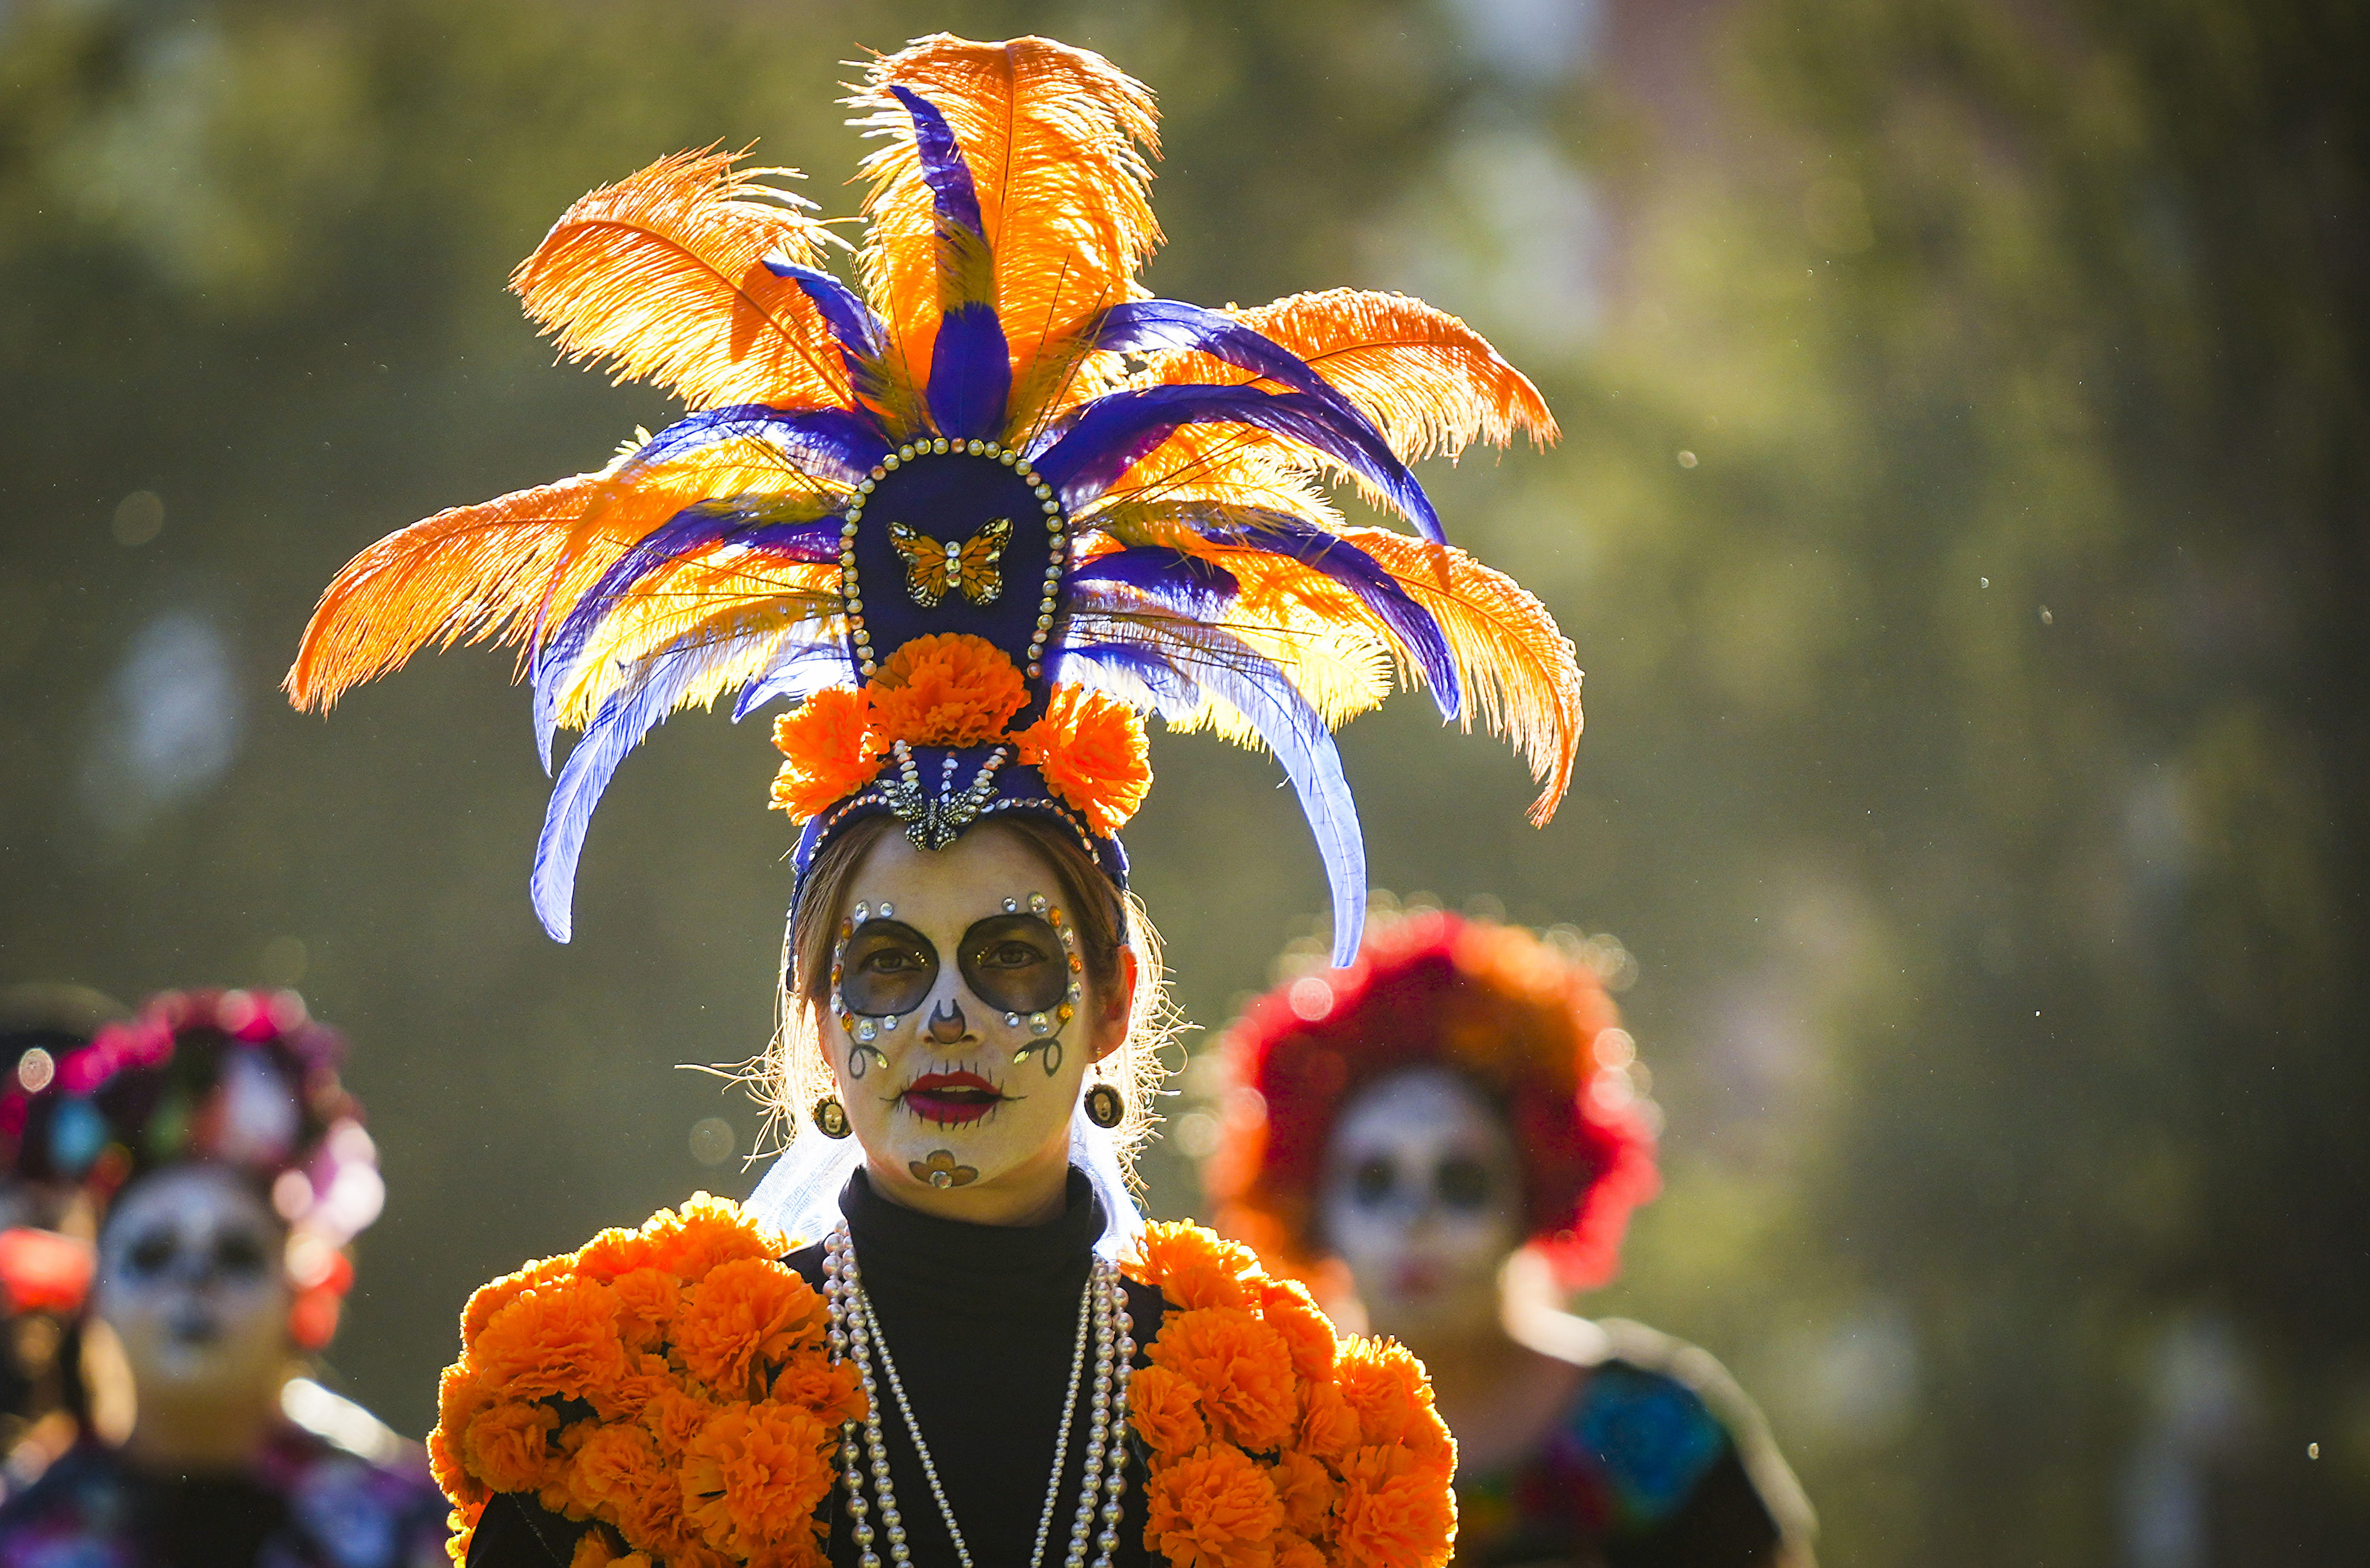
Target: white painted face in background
1422,1200
958,1027
191,1278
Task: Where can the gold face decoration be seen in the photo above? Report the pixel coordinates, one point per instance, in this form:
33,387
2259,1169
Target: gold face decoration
969,567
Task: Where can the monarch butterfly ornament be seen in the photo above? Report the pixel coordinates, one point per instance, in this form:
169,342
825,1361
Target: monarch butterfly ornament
931,568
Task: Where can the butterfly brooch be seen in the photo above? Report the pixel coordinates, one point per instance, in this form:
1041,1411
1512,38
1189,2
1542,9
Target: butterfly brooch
932,569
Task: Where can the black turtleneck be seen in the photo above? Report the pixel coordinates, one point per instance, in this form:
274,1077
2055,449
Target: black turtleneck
983,1321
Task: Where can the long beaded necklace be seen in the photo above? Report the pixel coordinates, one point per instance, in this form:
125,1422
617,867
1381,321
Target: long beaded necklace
854,1333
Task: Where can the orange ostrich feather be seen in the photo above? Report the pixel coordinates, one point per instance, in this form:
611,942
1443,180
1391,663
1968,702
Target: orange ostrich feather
1057,140
1514,661
1430,383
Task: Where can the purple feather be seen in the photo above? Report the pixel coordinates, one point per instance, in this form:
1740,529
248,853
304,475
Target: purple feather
1186,584
625,716
1143,325
1205,661
970,364
971,373
851,321
862,340
694,528
1280,533
830,443
943,169
1116,431
801,670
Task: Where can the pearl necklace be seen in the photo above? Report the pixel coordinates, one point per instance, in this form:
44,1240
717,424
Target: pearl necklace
856,1332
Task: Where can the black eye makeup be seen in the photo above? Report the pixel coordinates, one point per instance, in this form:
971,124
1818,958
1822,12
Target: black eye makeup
887,968
1459,1184
1022,963
1016,964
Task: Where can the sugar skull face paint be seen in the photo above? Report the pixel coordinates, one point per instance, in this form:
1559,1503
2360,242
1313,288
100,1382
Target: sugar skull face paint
962,1019
1422,1200
192,1280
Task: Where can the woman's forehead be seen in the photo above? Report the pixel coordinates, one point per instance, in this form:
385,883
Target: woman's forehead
947,889
1424,1108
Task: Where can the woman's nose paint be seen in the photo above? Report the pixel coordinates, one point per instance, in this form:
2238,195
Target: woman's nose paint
947,1024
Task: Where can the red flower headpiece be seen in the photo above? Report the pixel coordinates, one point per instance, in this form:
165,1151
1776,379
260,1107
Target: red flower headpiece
1534,1030
244,1080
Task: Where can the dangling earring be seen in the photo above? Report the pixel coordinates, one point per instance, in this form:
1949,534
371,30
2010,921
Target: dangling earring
1105,1109
831,1117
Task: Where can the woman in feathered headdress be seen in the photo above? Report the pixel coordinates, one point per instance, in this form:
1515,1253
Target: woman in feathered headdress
977,518
1448,1135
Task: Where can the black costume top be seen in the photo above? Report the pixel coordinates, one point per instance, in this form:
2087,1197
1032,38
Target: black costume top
983,1322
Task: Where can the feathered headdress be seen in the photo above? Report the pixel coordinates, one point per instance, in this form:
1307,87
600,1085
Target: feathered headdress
979,515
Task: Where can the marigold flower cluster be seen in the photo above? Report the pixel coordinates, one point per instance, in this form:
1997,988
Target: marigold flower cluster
954,689
1273,1444
669,1384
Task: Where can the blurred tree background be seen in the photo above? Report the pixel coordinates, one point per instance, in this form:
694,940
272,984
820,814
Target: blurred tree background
1961,519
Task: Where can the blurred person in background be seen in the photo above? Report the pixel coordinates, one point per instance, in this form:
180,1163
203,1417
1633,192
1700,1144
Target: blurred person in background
47,1253
225,1170
1444,1138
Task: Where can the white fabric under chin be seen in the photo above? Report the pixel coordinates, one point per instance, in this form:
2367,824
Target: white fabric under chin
800,1194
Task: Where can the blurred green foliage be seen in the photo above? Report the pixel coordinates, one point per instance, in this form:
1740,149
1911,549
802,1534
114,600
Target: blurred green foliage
1960,519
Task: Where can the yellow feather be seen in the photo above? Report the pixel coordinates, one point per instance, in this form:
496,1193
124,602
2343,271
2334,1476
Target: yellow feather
716,595
1428,381
662,275
1221,465
1516,666
1057,140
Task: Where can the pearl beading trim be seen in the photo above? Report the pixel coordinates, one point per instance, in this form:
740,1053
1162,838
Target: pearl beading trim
851,592
855,1332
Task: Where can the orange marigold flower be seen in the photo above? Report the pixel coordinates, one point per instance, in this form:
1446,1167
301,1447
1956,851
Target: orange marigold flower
946,689
1243,1368
624,1399
1387,1386
618,1476
830,1391
832,749
559,1338
509,1447
707,1231
753,1476
1214,1508
1286,1306
1090,746
1396,1512
612,1253
796,1554
1291,1551
1307,1489
461,1394
1329,1427
1193,1267
647,1301
594,1551
1166,1410
743,1318
675,1418
491,1297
